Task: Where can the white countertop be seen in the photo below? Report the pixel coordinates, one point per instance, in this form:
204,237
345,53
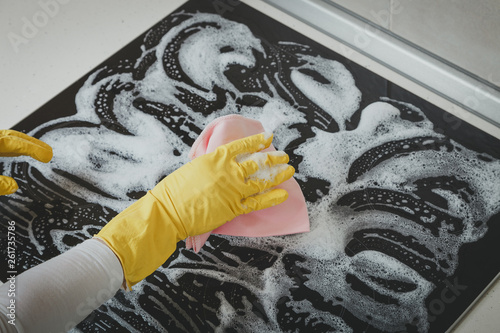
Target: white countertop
37,64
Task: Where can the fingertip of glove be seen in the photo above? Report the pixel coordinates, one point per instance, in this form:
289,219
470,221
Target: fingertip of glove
288,173
268,138
14,188
46,153
262,141
41,151
275,197
281,195
8,185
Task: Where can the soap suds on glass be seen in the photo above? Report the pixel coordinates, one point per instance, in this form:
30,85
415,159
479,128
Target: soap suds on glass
392,200
266,171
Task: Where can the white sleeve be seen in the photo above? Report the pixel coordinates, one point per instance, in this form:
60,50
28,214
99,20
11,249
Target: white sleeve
59,293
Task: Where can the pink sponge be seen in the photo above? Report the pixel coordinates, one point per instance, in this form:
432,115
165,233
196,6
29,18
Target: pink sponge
289,217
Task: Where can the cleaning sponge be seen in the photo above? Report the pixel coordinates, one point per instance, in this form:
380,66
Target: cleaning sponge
290,217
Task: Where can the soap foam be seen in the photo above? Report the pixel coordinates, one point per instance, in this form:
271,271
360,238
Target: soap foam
113,165
266,171
339,97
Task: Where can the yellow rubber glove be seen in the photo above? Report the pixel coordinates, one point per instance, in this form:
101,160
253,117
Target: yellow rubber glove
198,197
14,143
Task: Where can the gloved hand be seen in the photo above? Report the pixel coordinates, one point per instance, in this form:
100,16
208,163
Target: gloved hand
198,197
14,143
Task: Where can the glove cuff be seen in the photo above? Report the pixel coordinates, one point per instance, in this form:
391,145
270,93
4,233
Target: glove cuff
143,236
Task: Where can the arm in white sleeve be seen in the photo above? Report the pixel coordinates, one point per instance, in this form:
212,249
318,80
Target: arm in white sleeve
59,293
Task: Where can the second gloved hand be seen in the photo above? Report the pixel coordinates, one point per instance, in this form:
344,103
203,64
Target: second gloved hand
197,198
14,143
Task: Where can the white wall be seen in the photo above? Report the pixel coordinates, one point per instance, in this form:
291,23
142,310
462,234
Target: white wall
46,45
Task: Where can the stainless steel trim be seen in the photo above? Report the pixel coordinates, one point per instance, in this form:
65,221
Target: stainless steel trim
437,75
